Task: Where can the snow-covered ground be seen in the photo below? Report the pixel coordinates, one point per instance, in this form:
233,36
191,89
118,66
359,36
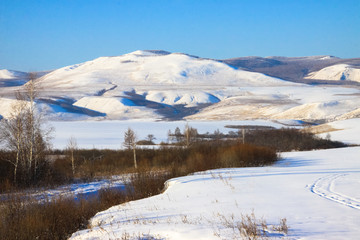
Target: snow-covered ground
317,192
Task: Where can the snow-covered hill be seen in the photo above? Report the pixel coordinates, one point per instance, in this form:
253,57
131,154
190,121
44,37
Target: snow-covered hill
175,86
337,72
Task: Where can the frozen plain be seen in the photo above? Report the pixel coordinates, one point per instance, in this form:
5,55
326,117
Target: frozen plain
316,191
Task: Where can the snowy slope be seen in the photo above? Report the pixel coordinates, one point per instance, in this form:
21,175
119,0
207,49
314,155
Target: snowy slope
317,191
347,131
116,107
336,72
301,102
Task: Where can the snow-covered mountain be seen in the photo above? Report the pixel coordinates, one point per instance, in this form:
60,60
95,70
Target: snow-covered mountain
163,85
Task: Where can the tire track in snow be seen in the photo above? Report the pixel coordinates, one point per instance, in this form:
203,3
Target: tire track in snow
324,187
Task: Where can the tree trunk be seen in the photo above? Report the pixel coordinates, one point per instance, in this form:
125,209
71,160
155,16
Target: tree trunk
134,149
73,163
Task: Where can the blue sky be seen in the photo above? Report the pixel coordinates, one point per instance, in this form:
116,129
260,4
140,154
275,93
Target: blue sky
47,34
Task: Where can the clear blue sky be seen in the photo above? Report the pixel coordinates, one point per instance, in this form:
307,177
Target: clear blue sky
47,34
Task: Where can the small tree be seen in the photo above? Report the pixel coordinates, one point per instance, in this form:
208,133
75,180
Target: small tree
71,148
130,142
178,135
150,138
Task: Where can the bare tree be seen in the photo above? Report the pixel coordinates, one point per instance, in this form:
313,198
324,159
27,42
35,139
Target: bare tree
190,135
71,148
11,134
23,133
170,136
130,142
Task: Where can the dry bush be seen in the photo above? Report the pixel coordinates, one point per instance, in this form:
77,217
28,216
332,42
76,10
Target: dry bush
145,184
282,227
252,228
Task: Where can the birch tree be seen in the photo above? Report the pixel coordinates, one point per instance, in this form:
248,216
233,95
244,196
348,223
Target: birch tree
11,134
24,134
71,148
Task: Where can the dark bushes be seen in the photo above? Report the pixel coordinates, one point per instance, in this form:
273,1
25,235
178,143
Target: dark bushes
288,139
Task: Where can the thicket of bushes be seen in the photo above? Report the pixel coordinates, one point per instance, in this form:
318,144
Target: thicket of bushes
288,139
